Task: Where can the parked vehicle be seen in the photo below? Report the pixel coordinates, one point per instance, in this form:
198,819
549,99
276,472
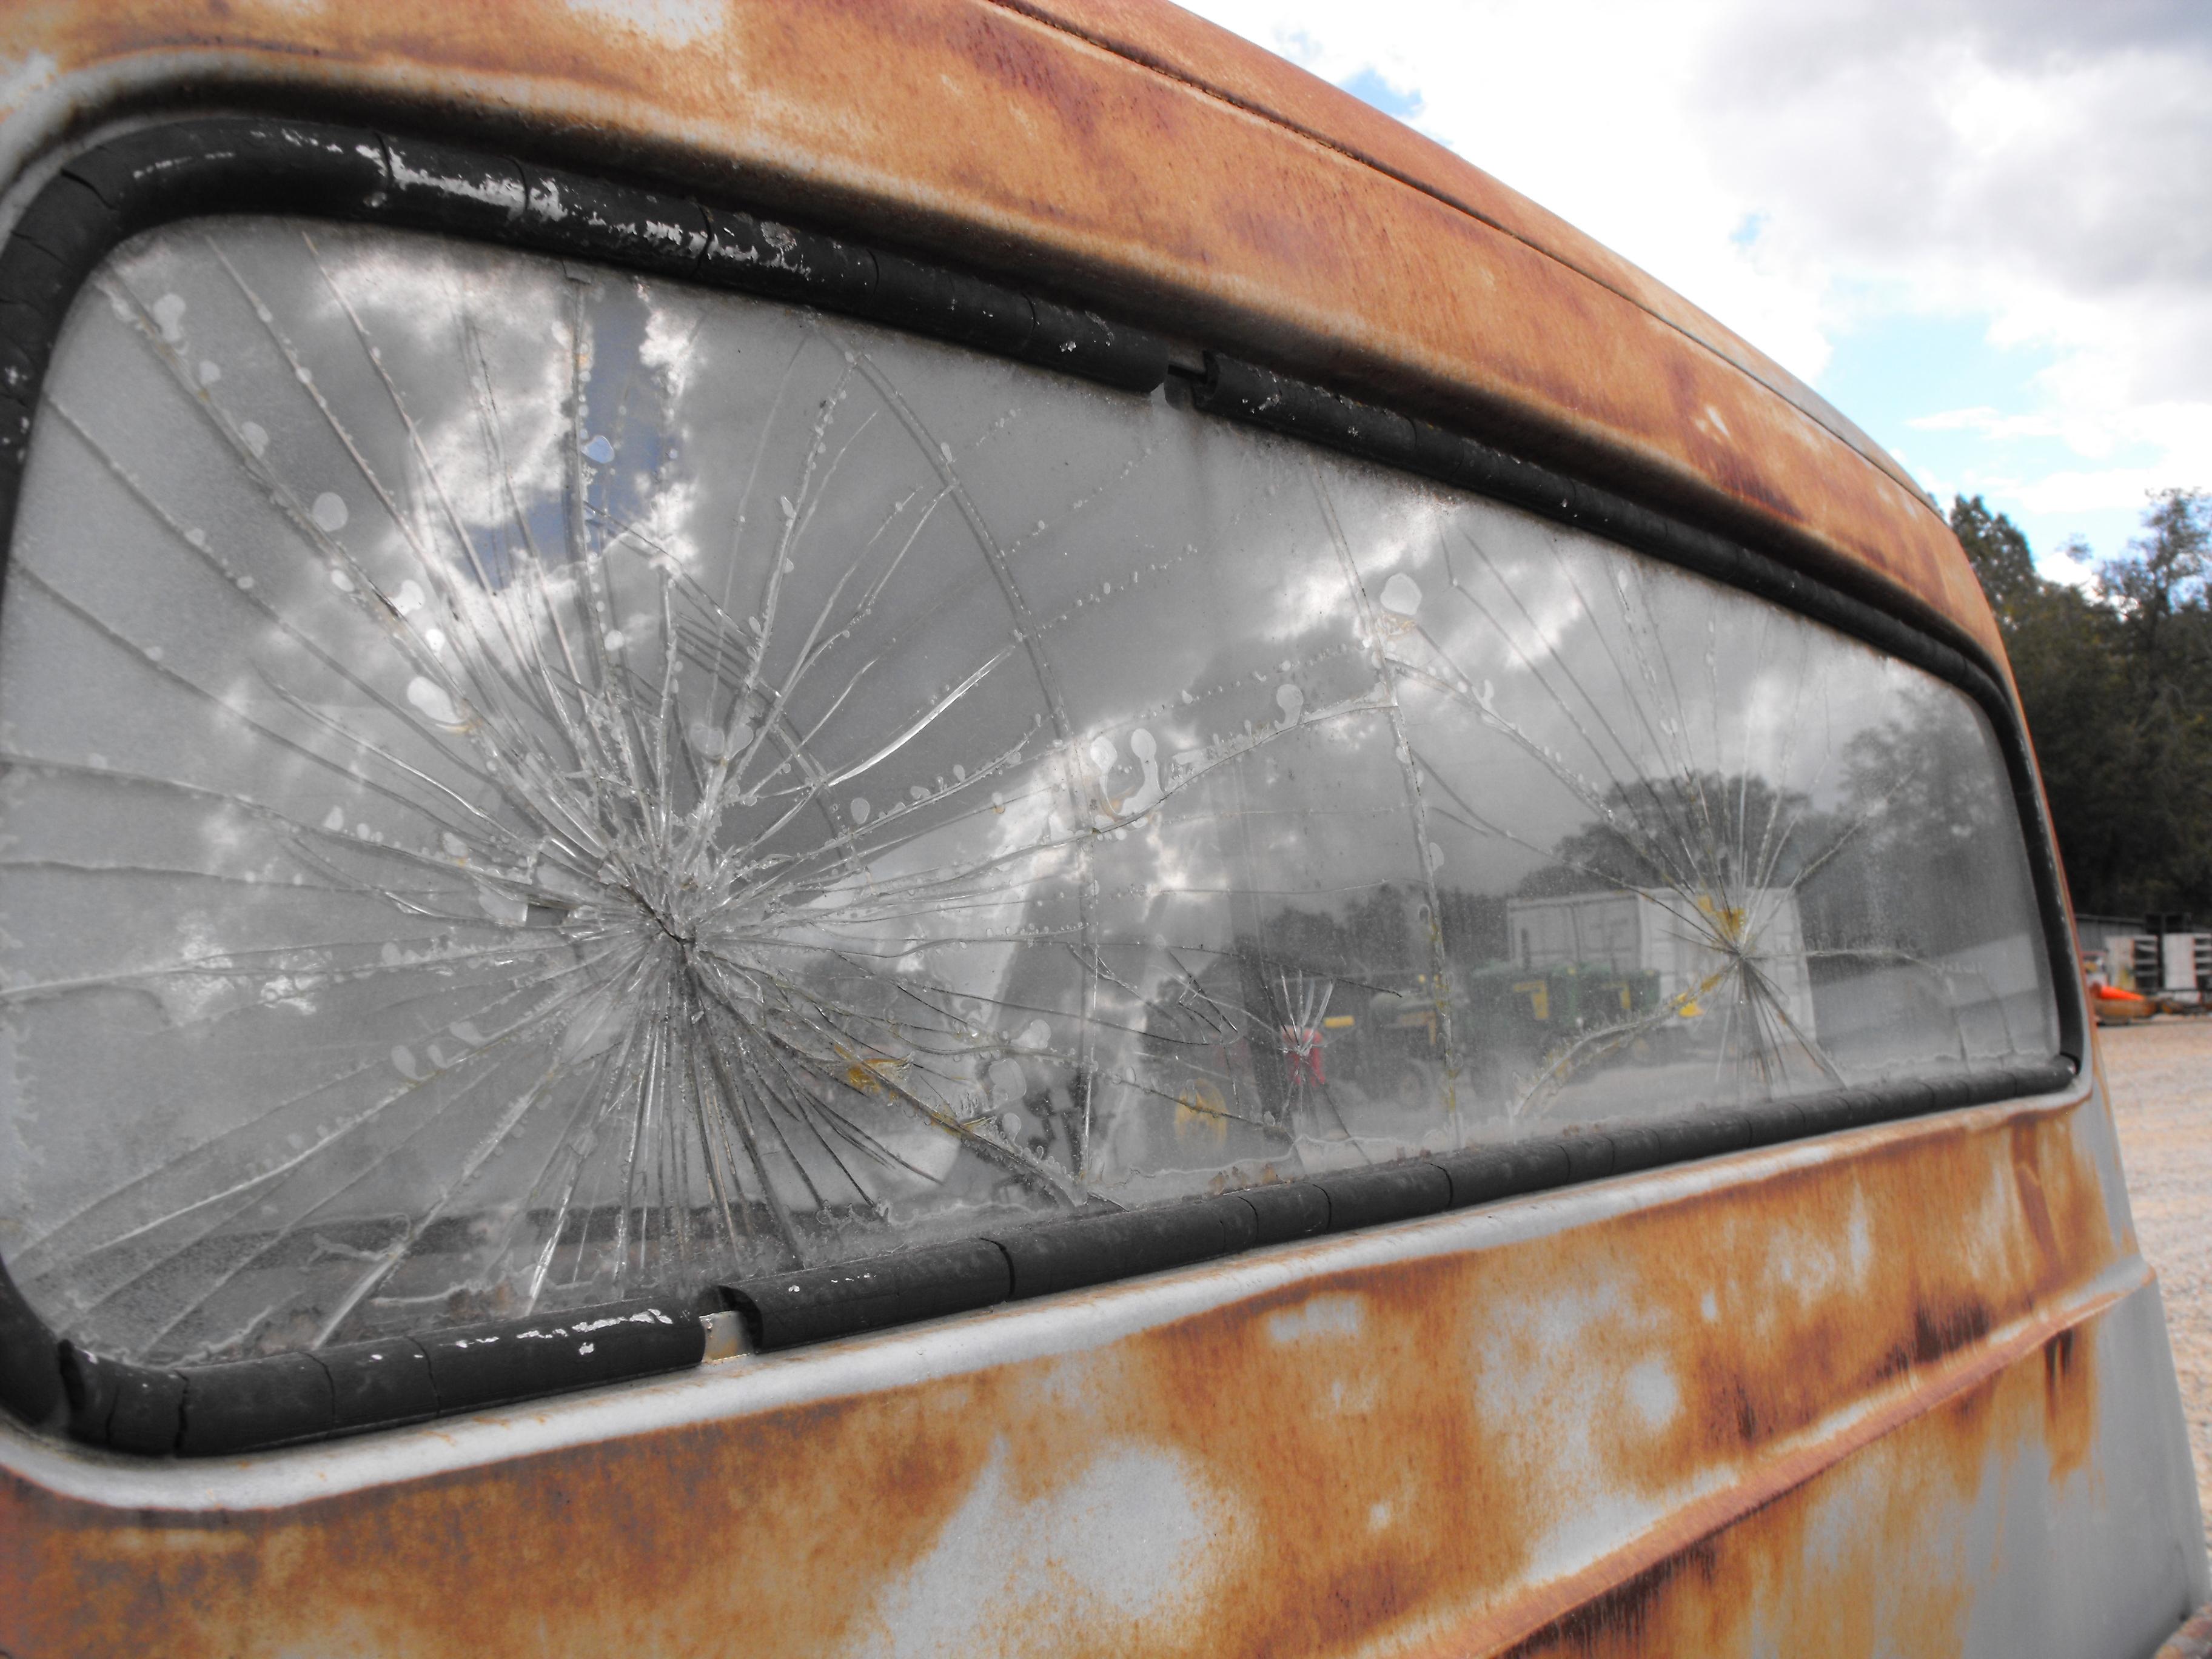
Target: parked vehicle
951,828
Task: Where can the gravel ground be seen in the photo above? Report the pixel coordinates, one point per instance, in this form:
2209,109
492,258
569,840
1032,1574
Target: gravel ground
2160,1076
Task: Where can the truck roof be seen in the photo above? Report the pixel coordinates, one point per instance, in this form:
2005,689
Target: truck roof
1118,152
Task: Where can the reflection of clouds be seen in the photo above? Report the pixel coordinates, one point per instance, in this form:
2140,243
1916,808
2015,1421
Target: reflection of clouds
671,345
645,843
439,317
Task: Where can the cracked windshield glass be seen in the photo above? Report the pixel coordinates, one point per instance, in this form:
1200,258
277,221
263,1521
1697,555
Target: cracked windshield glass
525,785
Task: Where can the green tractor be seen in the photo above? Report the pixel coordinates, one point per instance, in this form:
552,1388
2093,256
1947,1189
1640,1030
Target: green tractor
1506,1021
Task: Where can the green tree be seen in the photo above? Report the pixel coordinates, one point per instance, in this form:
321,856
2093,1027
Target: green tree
2116,686
1697,832
2157,591
1999,555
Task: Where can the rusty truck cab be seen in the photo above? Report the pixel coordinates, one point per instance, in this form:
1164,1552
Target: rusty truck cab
948,827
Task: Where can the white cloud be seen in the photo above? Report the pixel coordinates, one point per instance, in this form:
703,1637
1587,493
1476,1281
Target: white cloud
1990,422
2058,565
2075,490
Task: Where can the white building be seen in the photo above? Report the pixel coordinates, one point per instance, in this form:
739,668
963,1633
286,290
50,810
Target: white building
1694,944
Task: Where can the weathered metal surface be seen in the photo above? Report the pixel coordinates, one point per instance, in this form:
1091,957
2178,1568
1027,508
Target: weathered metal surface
1898,1391
1977,1527
1273,217
2193,1641
1851,1395
1235,70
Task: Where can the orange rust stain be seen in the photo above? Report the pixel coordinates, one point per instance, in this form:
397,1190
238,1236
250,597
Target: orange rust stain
2028,1173
1141,163
1864,1557
1374,1453
2069,1402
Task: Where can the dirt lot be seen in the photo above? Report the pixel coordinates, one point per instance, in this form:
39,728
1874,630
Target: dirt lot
2161,1075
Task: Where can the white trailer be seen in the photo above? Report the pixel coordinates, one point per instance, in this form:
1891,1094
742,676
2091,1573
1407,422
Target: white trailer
1694,944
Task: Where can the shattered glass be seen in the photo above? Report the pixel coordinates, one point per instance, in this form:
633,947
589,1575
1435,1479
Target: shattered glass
525,785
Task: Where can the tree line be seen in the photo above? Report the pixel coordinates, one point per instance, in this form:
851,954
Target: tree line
2115,679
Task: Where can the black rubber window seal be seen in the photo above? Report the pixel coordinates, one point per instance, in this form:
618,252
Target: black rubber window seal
196,166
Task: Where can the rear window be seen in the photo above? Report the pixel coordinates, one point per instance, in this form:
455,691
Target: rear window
526,785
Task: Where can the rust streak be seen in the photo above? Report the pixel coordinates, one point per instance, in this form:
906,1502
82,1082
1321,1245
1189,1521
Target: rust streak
1377,1458
1610,1594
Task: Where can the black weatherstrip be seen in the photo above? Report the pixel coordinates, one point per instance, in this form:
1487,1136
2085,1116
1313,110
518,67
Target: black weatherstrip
280,1400
238,165
191,169
789,1310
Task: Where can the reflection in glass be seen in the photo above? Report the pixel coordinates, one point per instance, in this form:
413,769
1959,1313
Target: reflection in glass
526,785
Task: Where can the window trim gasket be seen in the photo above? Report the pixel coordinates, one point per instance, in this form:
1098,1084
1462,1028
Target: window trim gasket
196,166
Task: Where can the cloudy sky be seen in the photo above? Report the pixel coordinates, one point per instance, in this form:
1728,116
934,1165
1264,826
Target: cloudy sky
1982,227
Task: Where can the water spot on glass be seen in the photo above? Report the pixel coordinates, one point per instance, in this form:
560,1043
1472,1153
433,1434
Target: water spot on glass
209,371
1291,702
408,598
255,437
433,700
503,907
600,450
614,640
307,375
169,312
1006,1080
1401,595
860,808
328,511
454,845
340,580
197,538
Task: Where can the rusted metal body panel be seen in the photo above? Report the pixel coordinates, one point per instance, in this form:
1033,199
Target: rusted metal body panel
1194,189
1904,1389
1232,69
1891,1391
